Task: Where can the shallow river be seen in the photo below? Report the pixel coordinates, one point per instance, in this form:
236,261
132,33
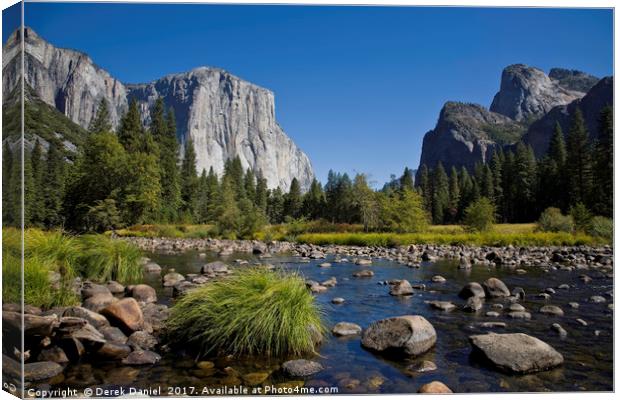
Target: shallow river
587,350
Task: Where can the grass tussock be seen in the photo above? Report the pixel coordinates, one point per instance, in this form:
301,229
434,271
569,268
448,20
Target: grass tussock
472,239
169,230
104,259
252,312
52,259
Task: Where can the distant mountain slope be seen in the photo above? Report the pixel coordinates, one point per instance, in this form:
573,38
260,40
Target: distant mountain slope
223,115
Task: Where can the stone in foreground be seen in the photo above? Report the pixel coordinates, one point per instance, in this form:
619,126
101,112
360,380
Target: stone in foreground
515,352
402,288
301,368
410,335
434,387
126,314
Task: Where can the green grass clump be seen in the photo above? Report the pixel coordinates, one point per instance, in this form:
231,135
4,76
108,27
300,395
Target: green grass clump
252,312
104,259
471,239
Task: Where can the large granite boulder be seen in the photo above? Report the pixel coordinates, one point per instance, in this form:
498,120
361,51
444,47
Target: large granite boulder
408,335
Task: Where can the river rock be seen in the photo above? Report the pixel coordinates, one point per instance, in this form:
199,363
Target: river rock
402,288
90,289
442,305
115,287
113,334
516,307
331,282
89,335
144,293
301,368
338,300
494,287
515,352
95,319
113,351
434,387
410,335
438,279
422,367
315,255
581,322
152,268
99,301
155,315
473,304
346,329
552,310
41,370
492,314
573,304
172,278
519,293
182,287
142,340
364,274
325,265
141,357
318,289
464,263
255,378
54,354
126,314
558,328
472,289
597,299
215,267
34,325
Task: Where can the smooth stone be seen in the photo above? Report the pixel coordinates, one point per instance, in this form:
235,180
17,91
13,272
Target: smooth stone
115,287
301,368
99,301
492,314
551,310
126,314
90,289
363,261
41,370
142,340
255,378
442,305
410,334
364,274
472,289
141,357
144,293
516,307
597,299
519,293
346,329
473,304
573,304
113,351
519,315
516,352
422,367
113,334
95,319
402,288
337,300
205,364
558,328
152,268
318,289
581,322
172,278
54,354
490,324
494,287
438,279
434,387
325,265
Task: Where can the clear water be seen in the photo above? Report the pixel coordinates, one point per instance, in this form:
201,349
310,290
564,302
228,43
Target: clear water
588,358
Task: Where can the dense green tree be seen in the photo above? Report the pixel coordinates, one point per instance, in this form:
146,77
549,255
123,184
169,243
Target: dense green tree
496,171
228,215
454,195
403,212
249,185
293,200
425,188
579,161
56,181
103,216
233,170
38,176
407,180
189,180
275,206
604,164
131,131
101,122
441,194
8,185
212,188
480,215
367,203
314,201
262,192
525,182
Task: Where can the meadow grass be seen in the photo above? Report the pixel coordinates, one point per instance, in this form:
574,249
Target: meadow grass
472,239
252,312
180,231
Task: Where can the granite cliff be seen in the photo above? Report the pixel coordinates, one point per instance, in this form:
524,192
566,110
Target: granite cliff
223,115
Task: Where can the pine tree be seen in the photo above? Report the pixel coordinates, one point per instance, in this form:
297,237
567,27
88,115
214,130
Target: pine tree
228,215
579,161
142,193
163,130
202,202
159,126
275,206
29,191
441,194
487,186
466,190
249,185
101,122
314,201
455,195
604,164
525,182
8,206
406,180
15,189
38,207
293,201
130,131
262,193
496,171
366,203
425,188
189,180
212,188
54,191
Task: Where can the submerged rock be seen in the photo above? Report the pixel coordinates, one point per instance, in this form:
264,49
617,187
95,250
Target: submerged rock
551,310
402,288
494,287
472,289
41,370
473,304
364,274
442,305
301,368
141,357
409,335
515,352
434,387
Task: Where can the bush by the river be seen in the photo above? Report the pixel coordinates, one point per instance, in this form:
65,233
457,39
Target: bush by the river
552,220
480,215
252,312
601,227
52,259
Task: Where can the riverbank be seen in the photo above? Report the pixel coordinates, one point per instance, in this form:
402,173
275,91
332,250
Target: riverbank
579,257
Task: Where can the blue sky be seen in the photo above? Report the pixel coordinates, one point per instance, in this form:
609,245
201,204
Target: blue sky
355,87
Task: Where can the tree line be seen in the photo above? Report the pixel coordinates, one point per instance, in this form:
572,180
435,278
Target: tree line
136,176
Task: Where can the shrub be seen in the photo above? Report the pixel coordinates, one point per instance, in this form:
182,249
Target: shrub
581,216
552,220
479,216
106,259
404,212
252,312
601,227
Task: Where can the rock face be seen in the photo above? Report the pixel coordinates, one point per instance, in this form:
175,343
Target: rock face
572,79
516,352
410,335
541,131
223,115
526,92
464,135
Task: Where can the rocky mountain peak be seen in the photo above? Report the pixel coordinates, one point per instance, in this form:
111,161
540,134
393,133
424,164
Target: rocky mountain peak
527,93
573,79
224,116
